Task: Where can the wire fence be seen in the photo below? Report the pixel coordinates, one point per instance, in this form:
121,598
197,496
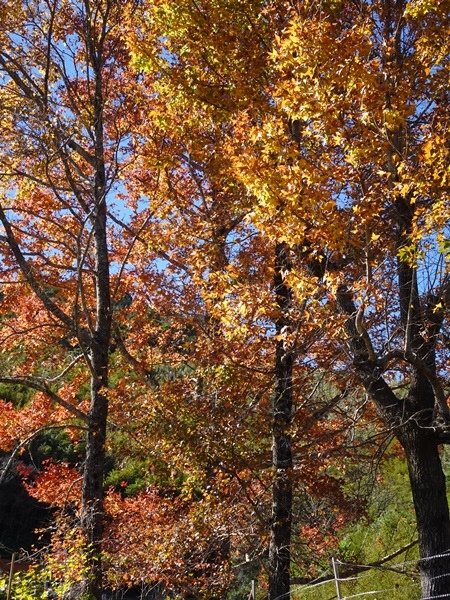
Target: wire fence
382,580
399,581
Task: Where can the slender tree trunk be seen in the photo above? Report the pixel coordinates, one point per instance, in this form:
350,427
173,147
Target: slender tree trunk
92,498
92,495
280,533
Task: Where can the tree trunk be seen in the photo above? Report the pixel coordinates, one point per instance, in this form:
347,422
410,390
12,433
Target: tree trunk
92,499
280,534
92,495
432,515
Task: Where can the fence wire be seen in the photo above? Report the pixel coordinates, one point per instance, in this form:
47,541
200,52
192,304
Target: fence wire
399,581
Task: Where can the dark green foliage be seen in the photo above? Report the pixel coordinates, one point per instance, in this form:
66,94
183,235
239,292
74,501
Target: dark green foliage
130,477
18,395
134,474
54,444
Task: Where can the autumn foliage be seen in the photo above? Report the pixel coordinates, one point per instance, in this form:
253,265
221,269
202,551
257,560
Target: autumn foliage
224,241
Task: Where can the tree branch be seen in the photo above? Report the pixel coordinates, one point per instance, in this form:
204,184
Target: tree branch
40,387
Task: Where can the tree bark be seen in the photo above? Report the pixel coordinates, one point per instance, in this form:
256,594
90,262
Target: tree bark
92,494
280,533
432,515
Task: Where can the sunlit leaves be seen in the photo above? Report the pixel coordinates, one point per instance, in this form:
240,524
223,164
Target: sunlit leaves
228,127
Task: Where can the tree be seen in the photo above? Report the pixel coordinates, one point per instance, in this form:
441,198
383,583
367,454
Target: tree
334,115
206,93
203,313
360,196
64,135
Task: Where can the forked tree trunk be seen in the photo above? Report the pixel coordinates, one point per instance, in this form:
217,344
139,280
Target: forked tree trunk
411,420
280,532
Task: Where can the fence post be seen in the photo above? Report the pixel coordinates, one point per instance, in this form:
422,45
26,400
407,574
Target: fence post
11,575
336,577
